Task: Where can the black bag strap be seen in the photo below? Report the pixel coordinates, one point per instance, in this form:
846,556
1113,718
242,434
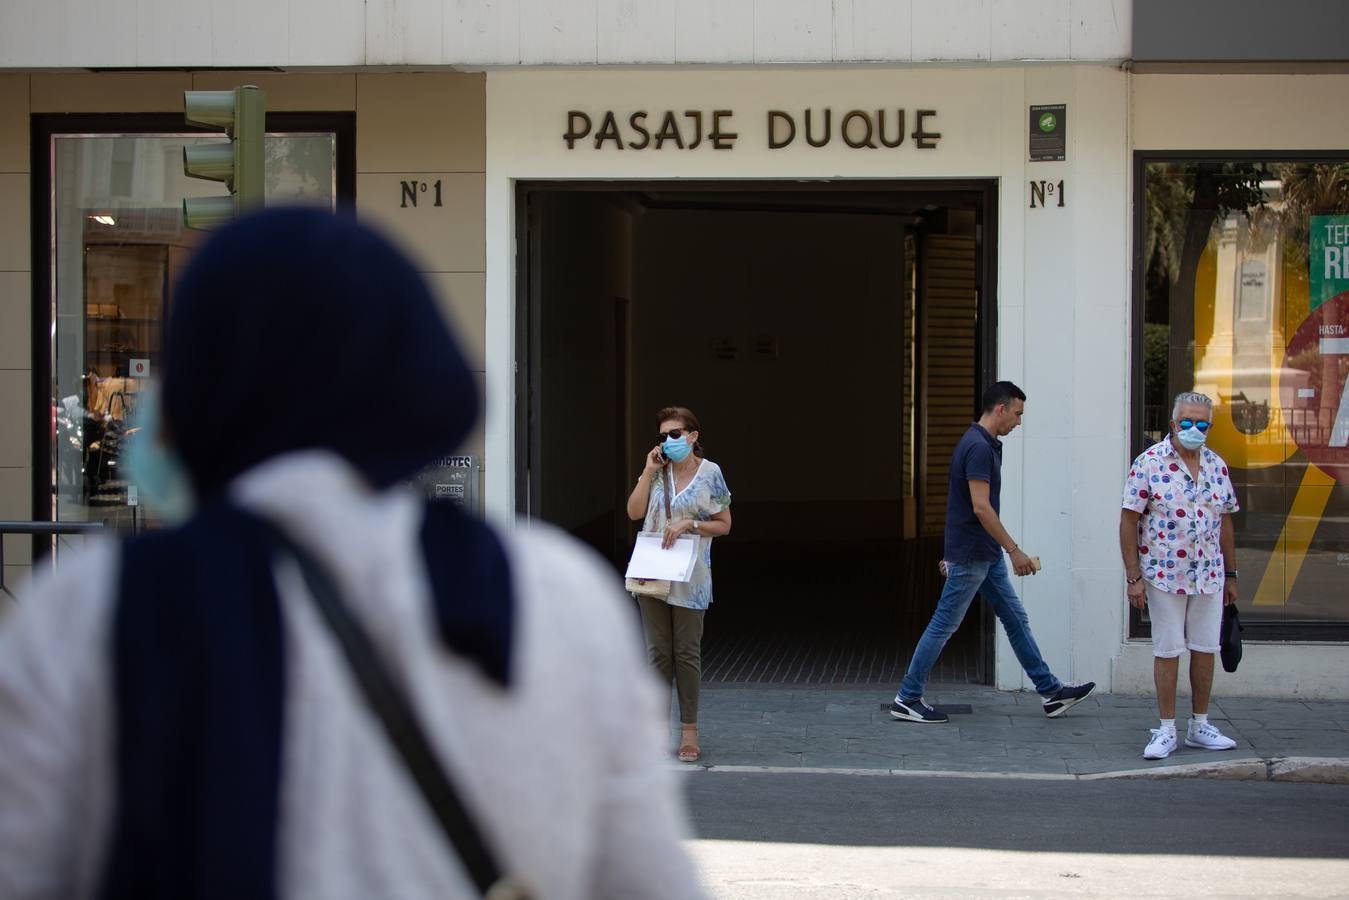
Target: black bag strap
386,699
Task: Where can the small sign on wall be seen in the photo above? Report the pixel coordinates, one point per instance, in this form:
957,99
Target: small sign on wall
138,368
726,349
765,348
454,478
1049,133
1047,193
414,190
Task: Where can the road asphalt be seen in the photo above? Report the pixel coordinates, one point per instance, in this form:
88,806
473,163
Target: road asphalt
802,836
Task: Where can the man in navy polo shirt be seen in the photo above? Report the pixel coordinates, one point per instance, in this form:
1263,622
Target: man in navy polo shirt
975,541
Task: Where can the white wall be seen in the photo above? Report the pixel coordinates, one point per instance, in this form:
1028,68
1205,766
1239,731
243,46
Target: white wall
294,33
1239,112
1062,278
1291,671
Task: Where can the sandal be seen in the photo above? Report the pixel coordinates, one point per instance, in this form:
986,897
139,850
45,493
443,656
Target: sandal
688,746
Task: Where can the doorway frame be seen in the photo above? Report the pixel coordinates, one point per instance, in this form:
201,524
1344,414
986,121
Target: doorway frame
528,338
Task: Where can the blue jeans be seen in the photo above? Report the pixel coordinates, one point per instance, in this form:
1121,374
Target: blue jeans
988,579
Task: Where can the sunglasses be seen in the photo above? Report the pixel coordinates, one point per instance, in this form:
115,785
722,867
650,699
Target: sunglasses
1201,424
673,433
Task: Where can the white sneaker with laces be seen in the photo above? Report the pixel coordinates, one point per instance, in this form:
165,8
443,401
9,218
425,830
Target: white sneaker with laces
1206,736
1162,743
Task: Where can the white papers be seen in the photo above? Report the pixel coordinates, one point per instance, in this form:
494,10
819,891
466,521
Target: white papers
651,561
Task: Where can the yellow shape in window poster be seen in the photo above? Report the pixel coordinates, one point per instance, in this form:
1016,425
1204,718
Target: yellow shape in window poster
1256,379
1296,536
1274,373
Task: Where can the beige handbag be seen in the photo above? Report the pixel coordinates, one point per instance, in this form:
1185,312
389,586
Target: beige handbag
656,588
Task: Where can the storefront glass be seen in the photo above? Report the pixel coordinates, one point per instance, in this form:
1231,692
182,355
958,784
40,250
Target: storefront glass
117,246
1244,283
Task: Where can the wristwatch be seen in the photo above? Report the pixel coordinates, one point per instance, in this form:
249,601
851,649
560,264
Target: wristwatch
695,527
1231,573
1132,581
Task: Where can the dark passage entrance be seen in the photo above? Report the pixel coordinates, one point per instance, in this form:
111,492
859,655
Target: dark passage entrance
831,337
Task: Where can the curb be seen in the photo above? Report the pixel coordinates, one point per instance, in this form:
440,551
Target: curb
1303,769
1300,769
1310,769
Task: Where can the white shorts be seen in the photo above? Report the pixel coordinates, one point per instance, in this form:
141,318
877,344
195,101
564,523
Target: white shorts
1181,621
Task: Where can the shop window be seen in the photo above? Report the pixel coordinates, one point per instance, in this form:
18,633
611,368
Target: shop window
1242,292
114,245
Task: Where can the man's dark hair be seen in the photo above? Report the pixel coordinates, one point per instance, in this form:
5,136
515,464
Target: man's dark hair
1000,392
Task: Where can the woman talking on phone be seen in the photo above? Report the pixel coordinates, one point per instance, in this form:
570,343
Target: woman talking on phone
698,504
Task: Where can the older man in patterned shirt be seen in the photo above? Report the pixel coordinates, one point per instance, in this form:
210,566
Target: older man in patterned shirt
1175,534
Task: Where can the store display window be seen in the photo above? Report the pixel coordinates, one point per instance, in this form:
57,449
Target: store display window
1242,293
116,243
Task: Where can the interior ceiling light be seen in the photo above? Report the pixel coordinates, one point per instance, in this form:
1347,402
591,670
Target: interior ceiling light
104,220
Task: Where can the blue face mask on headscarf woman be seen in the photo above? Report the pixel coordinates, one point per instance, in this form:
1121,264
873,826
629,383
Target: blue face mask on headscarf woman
155,469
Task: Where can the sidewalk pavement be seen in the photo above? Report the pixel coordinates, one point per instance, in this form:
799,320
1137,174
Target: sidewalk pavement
786,728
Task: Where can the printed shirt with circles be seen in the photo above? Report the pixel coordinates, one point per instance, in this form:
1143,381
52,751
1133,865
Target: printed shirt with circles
1179,546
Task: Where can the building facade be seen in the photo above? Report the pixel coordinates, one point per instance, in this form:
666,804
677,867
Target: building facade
821,225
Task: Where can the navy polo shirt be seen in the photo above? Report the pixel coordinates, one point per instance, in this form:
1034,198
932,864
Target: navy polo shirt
977,457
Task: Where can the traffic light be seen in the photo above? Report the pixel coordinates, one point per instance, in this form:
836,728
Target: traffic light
241,114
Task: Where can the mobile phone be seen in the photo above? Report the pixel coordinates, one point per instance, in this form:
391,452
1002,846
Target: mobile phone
663,456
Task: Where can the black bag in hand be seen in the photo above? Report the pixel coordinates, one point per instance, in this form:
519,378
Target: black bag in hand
1231,638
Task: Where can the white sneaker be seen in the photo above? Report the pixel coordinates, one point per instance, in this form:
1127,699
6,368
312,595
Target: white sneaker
1207,737
1161,745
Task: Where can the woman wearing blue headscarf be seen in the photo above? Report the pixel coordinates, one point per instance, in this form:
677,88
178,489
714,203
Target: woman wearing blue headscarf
179,719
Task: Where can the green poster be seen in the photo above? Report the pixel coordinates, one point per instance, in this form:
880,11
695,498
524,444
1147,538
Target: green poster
1329,257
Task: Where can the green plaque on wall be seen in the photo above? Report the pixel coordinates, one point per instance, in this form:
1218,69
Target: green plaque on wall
1049,132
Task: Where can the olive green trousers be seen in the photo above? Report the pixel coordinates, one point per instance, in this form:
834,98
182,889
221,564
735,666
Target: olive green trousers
674,644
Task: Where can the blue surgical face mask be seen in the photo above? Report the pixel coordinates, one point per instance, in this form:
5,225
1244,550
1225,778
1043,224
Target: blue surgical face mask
1191,438
677,449
160,478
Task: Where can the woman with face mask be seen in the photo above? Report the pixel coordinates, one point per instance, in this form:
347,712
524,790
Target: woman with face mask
699,504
